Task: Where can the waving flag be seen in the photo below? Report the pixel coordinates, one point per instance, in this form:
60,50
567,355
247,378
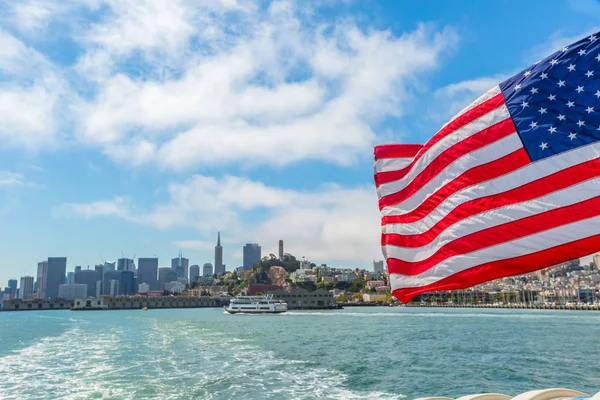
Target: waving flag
508,186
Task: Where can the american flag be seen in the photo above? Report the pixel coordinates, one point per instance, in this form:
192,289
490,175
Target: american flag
510,185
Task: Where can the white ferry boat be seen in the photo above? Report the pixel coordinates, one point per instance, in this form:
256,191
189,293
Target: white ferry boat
256,305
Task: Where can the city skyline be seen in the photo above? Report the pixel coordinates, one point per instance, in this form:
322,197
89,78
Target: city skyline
110,139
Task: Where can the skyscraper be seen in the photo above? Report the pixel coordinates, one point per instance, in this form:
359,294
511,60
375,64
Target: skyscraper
127,282
12,285
377,266
252,255
165,275
57,269
110,265
194,273
207,269
26,288
148,272
125,264
280,250
89,277
78,268
219,268
109,288
180,265
42,276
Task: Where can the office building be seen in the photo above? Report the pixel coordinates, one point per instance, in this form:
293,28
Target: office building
72,291
107,278
57,269
110,265
148,272
252,255
89,277
100,268
12,288
181,266
194,273
281,250
125,264
378,266
219,267
42,275
207,269
78,268
70,278
128,284
165,275
26,288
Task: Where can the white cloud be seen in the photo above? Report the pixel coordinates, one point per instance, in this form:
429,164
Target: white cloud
118,207
274,84
328,223
451,99
181,84
9,178
31,99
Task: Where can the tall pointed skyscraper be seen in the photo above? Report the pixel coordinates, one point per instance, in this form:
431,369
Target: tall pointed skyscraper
219,269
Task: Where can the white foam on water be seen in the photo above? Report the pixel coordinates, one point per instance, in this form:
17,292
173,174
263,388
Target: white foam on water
166,359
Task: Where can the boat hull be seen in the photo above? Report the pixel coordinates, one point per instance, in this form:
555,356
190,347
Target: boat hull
254,312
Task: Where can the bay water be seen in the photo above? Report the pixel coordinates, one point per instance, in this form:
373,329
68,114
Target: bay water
355,353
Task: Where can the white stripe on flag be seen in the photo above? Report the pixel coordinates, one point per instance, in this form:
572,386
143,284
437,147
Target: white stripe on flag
392,164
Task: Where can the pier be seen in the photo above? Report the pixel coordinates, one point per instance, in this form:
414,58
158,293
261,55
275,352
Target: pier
115,303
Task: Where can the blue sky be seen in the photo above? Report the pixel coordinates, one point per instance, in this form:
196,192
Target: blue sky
144,127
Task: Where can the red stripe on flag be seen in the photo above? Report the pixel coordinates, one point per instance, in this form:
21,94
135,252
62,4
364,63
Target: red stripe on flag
479,140
481,173
495,235
396,151
457,123
503,268
548,184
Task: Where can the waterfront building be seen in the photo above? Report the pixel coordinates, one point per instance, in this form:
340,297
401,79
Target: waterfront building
378,266
194,273
372,297
125,264
72,291
174,287
26,288
207,269
219,267
181,266
281,250
12,288
298,298
148,272
252,255
88,277
42,276
57,269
